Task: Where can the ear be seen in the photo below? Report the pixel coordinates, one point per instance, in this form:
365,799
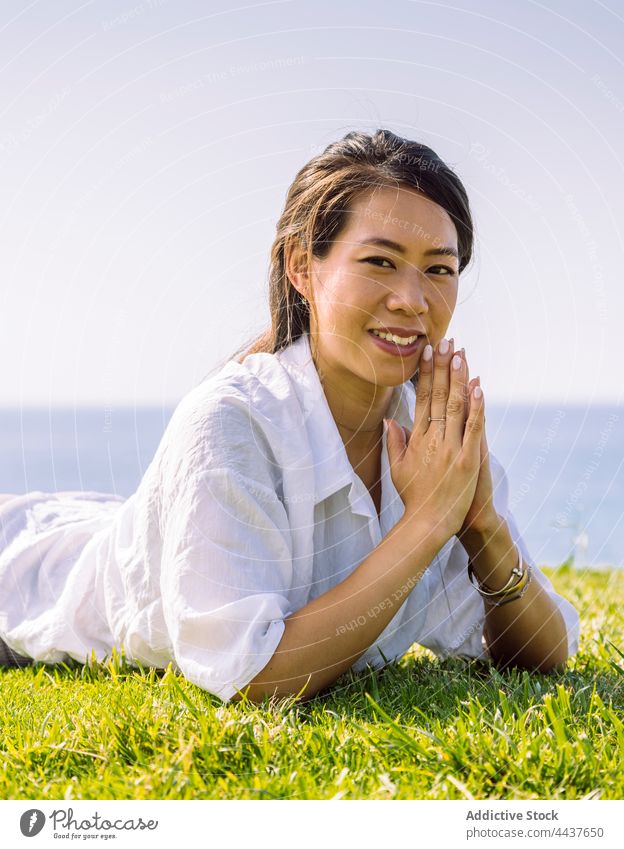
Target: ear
295,266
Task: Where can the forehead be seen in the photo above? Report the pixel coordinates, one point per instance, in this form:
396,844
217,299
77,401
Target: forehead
401,214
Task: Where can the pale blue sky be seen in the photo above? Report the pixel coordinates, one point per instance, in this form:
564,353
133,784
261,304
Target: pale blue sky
146,147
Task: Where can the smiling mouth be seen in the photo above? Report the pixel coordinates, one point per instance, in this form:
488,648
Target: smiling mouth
397,341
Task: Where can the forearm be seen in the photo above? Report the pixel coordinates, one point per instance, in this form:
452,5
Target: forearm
326,636
528,631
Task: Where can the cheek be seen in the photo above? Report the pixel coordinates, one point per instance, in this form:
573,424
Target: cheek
350,296
445,301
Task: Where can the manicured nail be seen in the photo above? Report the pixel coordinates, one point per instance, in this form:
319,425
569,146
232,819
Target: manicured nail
457,362
478,392
443,346
427,354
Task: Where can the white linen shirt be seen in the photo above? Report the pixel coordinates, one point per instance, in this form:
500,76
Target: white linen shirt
249,510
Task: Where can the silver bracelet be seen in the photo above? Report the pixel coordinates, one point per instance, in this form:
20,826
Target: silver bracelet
507,599
517,571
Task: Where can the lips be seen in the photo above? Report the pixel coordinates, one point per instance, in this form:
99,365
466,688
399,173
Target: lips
400,331
393,348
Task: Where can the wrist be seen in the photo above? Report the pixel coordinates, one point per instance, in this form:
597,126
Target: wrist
431,537
492,554
474,539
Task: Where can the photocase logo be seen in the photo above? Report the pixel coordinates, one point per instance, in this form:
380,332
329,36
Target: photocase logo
31,822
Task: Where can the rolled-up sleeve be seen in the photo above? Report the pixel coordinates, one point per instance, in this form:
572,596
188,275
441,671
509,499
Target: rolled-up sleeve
455,614
226,562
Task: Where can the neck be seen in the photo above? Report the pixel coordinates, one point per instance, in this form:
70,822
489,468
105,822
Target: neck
359,418
358,407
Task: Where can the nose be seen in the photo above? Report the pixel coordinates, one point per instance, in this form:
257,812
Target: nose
409,294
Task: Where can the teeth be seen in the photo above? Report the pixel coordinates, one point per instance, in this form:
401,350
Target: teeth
399,340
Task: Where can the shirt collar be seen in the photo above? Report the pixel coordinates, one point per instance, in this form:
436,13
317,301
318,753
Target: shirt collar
331,463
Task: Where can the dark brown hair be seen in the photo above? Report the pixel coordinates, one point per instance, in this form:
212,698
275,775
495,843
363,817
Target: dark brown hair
317,204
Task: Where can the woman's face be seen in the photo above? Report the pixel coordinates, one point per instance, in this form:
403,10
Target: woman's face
360,285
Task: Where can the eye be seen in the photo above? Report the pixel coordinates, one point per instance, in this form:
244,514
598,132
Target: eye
376,259
445,268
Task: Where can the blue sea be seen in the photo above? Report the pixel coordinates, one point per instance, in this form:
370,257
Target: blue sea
565,466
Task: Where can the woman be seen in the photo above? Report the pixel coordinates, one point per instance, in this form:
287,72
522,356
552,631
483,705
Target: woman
324,501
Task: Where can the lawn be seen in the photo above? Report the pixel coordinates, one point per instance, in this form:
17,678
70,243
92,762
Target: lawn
418,729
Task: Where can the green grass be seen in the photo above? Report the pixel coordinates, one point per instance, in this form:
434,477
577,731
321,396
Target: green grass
418,729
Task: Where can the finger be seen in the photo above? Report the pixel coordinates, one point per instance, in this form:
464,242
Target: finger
485,451
471,385
456,405
485,457
468,386
395,442
423,391
474,428
441,384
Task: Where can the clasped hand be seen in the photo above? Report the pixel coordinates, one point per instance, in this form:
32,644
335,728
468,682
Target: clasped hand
441,469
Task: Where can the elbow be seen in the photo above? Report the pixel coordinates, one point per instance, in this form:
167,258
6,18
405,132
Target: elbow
257,693
555,663
558,668
536,655
271,683
249,695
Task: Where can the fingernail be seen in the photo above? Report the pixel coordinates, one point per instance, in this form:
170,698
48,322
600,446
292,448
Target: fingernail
427,354
457,361
443,346
463,353
478,392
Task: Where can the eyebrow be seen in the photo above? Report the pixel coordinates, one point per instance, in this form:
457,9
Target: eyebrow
395,246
